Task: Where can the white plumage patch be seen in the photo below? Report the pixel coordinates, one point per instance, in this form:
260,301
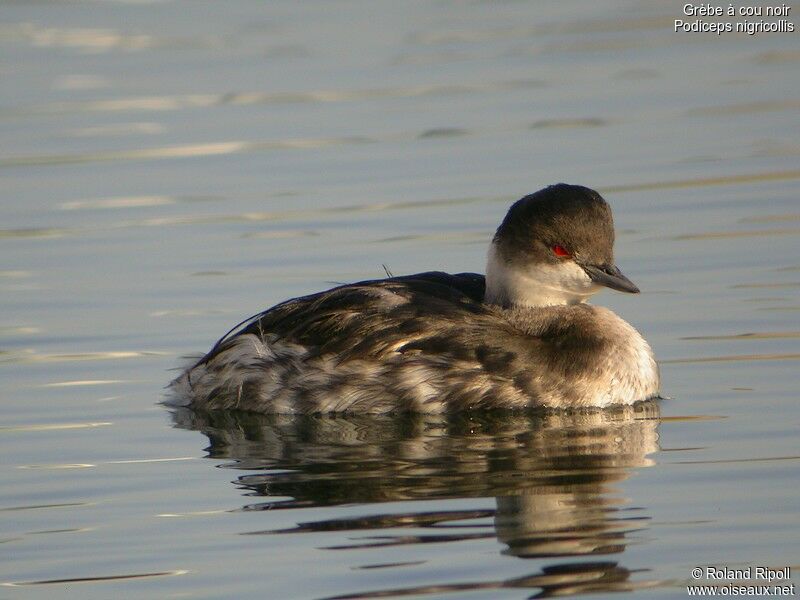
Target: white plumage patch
246,360
632,369
537,284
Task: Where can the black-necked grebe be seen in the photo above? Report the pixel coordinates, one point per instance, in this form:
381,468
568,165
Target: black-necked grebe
523,336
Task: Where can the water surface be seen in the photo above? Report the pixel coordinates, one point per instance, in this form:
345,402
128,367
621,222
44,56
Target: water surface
170,168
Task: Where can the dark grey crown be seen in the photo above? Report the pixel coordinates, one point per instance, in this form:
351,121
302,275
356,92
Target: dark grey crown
572,216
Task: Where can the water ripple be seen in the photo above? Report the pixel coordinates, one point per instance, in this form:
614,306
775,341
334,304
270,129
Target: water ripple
733,358
770,218
553,580
252,217
33,232
471,36
778,57
14,330
83,382
781,285
747,336
712,235
94,579
45,506
180,151
568,123
179,102
704,181
134,461
449,237
115,130
734,460
744,108
120,202
53,427
89,40
32,357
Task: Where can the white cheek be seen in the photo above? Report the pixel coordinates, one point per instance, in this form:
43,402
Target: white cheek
566,276
537,285
563,282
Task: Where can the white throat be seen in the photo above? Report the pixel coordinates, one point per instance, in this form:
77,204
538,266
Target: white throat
536,284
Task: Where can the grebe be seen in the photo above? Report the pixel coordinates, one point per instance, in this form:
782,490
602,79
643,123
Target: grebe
523,336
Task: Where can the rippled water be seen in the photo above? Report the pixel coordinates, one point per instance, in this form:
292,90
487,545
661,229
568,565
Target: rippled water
169,168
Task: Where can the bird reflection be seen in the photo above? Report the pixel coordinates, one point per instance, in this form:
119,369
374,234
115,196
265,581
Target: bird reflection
552,475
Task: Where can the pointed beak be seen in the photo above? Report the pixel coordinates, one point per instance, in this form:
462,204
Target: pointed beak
611,277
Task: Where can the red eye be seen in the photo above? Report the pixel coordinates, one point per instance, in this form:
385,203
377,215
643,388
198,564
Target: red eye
560,251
